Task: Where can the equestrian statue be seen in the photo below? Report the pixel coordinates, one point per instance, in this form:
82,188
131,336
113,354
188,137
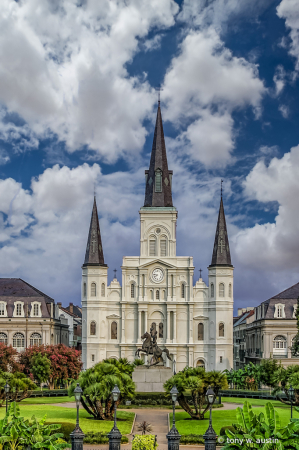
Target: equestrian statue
150,347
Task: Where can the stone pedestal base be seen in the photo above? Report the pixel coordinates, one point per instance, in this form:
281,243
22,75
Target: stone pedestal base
151,378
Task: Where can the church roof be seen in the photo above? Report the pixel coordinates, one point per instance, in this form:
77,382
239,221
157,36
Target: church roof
221,252
94,251
158,177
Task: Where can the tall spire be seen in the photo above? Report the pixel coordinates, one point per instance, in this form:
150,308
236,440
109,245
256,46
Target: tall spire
158,177
94,251
221,252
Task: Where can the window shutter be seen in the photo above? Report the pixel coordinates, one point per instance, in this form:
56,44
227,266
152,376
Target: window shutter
158,181
163,247
152,249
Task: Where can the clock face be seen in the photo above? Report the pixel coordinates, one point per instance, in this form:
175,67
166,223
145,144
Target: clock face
157,275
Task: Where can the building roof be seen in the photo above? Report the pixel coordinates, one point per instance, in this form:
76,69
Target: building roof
243,317
291,292
221,252
14,289
76,310
288,297
94,250
161,197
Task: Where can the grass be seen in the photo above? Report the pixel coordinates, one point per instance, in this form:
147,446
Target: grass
61,414
254,401
220,419
46,400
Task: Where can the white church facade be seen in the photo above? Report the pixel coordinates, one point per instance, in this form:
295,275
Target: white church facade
195,322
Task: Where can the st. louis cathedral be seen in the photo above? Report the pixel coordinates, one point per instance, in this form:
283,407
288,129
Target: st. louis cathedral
195,322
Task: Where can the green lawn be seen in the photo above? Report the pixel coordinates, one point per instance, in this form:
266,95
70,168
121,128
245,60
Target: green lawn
253,401
47,400
220,418
61,414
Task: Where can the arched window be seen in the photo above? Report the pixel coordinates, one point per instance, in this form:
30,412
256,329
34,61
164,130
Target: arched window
153,328
221,290
93,291
132,290
163,247
221,329
158,181
200,329
230,290
279,345
200,363
212,290
160,330
157,294
103,290
3,338
93,328
164,294
152,246
18,340
152,294
114,330
84,289
182,290
35,339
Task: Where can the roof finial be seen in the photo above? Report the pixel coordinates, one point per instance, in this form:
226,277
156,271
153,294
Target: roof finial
114,273
200,270
159,89
94,189
221,187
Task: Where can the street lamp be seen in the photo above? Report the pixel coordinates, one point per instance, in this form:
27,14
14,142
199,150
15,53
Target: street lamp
6,389
115,435
210,436
173,435
291,393
77,435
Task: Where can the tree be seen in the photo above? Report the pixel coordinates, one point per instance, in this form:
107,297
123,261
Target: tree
20,386
9,359
283,379
196,382
65,362
268,369
97,384
40,368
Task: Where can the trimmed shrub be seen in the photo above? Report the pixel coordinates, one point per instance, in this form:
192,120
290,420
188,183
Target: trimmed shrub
192,439
145,442
100,438
66,428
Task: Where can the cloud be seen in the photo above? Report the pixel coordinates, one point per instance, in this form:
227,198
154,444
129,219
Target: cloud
284,111
63,70
288,10
204,85
273,246
279,79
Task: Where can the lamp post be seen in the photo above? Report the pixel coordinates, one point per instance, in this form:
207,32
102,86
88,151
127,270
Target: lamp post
210,436
77,435
6,389
174,363
114,435
291,393
173,435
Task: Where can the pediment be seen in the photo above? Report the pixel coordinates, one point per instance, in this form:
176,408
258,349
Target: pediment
113,316
158,261
200,318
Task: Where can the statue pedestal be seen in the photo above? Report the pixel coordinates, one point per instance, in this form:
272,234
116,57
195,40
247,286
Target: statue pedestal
151,378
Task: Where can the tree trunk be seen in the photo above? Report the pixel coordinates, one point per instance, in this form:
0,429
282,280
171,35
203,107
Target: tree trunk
183,403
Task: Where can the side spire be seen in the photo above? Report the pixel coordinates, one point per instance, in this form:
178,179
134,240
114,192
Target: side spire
158,177
221,252
94,251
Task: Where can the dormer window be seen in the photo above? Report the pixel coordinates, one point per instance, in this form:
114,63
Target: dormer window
18,309
158,181
2,309
35,309
279,311
294,311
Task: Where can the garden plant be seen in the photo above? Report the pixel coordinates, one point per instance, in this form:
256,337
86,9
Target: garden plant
195,381
145,442
20,386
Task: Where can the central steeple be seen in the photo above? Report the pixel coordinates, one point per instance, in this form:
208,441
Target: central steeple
94,251
158,177
221,252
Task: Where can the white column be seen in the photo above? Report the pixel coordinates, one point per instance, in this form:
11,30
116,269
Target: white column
145,320
168,326
139,325
123,312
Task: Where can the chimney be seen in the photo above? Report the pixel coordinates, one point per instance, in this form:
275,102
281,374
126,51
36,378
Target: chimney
71,308
59,304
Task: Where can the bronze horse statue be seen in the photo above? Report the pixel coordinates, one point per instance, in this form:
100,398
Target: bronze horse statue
151,348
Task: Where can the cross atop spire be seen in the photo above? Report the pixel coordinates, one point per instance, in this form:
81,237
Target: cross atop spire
158,177
94,251
221,252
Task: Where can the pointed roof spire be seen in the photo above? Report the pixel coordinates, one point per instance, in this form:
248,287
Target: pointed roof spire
94,251
221,252
158,177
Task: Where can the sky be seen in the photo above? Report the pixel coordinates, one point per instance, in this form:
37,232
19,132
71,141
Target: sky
78,102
